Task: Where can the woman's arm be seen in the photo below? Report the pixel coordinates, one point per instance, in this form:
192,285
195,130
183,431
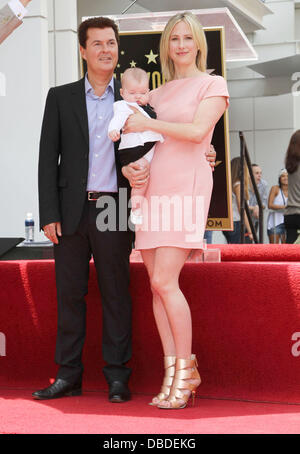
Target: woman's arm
273,193
207,115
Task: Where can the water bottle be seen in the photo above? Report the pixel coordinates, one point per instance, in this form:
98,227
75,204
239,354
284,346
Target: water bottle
29,228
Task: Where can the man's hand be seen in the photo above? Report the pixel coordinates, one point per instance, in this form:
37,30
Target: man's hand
51,231
211,157
114,135
136,175
25,2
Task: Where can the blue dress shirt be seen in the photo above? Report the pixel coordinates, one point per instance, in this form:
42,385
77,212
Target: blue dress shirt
102,176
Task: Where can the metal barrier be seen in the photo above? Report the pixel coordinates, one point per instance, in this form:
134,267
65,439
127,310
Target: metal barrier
244,203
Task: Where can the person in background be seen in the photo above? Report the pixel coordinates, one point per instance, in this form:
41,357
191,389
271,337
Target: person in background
11,16
292,209
208,234
277,202
234,237
262,187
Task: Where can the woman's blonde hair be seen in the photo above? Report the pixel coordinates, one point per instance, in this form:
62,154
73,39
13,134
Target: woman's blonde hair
198,34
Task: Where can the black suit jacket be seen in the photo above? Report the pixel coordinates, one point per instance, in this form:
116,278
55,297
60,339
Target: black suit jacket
64,156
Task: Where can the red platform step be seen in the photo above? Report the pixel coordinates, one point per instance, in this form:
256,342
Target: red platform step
246,325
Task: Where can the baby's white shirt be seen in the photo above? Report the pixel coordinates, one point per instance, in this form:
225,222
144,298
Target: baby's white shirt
133,139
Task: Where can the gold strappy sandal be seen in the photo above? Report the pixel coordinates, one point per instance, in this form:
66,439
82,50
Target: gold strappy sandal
169,365
186,369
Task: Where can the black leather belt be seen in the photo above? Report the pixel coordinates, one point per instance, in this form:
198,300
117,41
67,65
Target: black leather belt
92,196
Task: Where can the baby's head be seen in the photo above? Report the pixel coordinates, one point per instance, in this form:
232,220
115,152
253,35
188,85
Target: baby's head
135,86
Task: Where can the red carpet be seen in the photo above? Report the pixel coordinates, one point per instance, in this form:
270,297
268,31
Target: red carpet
246,317
93,414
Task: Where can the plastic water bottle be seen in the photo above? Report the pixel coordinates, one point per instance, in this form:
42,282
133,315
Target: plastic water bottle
29,228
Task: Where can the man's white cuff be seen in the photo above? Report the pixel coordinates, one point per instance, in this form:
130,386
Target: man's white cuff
17,8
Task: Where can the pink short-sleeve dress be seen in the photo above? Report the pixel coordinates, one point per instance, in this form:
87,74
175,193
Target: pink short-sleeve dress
176,203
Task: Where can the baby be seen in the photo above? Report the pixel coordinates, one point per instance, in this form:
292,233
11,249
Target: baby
137,147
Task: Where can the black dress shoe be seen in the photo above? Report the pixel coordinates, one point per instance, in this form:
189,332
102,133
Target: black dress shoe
118,392
59,388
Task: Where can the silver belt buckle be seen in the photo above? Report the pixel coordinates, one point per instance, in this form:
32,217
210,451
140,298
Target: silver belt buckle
89,197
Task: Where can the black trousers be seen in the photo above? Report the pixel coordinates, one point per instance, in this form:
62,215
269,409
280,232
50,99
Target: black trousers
110,250
292,225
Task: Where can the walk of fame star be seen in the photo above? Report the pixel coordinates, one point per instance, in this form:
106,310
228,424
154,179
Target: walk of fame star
151,57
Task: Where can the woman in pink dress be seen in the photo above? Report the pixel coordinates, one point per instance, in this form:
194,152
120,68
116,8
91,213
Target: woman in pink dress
175,207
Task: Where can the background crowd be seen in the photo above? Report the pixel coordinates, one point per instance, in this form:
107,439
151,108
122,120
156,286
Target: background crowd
280,202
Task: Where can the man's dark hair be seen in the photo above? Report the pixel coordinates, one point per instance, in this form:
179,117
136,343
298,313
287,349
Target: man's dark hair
96,22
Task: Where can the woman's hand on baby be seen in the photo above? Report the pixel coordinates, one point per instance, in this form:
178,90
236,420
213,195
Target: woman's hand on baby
114,135
137,122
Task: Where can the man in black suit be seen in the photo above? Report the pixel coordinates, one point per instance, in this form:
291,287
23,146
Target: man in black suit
68,195
78,166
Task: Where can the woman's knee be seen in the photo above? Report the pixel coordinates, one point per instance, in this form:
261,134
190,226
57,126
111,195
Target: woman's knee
160,285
